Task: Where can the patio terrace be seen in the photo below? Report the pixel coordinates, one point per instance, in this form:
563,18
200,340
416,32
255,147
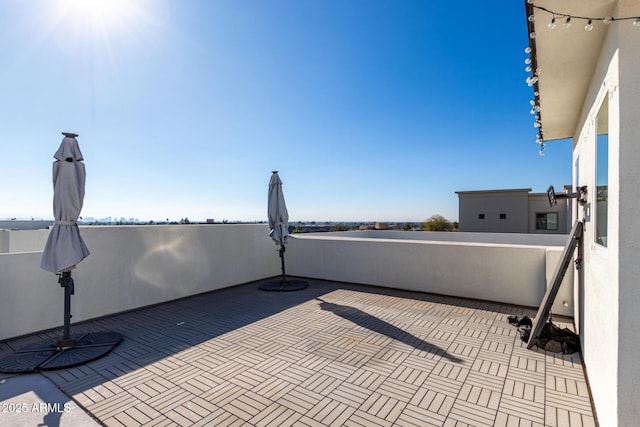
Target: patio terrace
333,354
136,266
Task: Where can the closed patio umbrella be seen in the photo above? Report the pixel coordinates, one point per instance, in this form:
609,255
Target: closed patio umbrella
279,224
63,251
65,247
277,211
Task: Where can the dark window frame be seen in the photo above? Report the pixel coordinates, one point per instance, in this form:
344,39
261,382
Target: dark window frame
546,221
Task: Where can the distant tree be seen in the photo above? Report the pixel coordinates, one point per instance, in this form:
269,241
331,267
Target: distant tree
407,226
340,227
438,223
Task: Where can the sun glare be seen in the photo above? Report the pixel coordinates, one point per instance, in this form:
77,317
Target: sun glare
103,12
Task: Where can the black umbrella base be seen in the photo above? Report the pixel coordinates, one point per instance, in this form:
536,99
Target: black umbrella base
283,286
64,353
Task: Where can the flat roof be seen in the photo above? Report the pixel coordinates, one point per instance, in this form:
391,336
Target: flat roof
513,190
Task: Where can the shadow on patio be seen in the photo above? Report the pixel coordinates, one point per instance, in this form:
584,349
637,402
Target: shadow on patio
333,354
374,324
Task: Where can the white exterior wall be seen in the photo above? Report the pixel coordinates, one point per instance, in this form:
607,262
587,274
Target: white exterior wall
135,266
627,189
131,267
4,241
23,240
510,273
513,203
608,293
597,288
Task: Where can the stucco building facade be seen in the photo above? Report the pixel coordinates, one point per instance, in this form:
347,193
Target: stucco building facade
512,211
586,88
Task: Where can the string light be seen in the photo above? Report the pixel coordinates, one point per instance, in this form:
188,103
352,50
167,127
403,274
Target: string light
532,80
531,61
589,26
590,19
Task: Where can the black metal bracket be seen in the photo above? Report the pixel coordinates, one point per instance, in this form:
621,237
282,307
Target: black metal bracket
66,281
581,195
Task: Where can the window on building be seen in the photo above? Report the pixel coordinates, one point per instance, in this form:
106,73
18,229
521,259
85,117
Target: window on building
503,216
480,216
547,221
602,173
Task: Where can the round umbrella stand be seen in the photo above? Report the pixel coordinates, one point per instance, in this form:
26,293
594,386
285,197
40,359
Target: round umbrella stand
289,285
66,352
45,357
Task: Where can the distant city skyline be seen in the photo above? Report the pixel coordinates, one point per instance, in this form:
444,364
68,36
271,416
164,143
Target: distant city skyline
371,110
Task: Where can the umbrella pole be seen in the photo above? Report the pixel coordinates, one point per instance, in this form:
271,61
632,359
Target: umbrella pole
284,277
66,281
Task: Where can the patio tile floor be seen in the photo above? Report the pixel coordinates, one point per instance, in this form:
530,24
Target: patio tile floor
334,354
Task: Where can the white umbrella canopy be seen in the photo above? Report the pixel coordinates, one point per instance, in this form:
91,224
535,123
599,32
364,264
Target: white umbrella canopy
277,211
65,247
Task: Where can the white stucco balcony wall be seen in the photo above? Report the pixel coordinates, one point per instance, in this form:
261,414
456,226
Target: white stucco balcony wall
135,266
487,266
130,267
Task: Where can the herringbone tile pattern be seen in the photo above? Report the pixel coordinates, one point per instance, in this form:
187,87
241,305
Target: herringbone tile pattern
331,355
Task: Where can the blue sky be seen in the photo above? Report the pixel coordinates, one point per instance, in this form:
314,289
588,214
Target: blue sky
371,110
